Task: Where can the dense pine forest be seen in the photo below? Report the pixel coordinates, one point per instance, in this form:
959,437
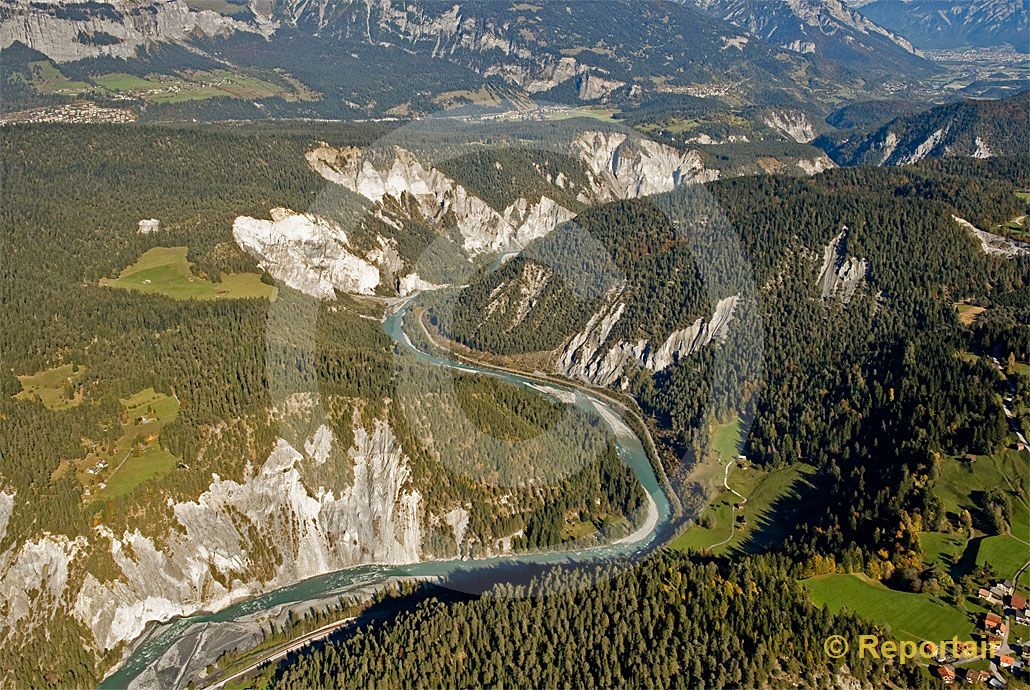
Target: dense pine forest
871,393
668,622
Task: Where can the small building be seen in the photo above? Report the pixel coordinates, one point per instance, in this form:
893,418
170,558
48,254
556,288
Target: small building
987,596
977,676
1017,601
946,673
999,593
1007,587
149,225
1006,661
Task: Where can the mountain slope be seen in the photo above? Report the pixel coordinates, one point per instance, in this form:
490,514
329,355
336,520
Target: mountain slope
968,128
944,24
427,52
825,28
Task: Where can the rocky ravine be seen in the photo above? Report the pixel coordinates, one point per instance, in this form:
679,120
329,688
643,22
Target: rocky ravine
315,255
236,540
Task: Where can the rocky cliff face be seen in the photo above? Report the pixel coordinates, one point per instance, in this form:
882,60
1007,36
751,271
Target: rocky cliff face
995,244
841,275
625,169
979,128
307,252
237,539
592,356
439,199
66,30
827,28
792,124
314,254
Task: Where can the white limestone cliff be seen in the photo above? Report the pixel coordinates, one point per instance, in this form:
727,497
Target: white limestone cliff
440,200
307,252
994,244
621,168
590,355
49,28
840,275
792,124
222,542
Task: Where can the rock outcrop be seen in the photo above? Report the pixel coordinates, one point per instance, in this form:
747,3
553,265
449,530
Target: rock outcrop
623,168
439,199
591,356
240,538
63,30
995,244
840,275
792,124
307,252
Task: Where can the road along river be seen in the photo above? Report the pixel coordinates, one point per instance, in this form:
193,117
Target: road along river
183,632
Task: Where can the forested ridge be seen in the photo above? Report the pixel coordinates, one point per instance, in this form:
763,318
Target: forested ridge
871,392
668,622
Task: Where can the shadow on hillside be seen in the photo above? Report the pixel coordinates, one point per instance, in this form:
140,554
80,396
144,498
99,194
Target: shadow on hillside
777,522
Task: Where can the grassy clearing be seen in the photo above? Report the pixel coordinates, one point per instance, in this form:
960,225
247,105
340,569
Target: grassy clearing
1005,553
720,527
189,86
968,313
166,271
765,492
48,79
960,482
114,468
941,547
54,388
909,616
595,113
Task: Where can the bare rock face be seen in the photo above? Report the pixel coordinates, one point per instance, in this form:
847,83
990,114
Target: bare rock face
625,169
57,27
307,252
240,538
791,123
840,275
995,244
591,356
440,200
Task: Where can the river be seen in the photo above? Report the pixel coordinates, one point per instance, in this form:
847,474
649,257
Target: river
630,448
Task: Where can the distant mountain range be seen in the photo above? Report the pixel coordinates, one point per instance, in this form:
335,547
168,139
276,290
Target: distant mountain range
313,58
943,24
828,29
967,128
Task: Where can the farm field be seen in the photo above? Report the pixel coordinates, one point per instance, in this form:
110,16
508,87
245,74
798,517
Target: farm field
114,468
720,528
53,388
166,271
909,616
1006,553
968,313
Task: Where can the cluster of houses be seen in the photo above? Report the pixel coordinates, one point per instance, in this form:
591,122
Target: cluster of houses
1014,658
1003,594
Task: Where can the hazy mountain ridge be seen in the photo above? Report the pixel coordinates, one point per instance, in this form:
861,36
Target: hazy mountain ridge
978,128
825,28
944,24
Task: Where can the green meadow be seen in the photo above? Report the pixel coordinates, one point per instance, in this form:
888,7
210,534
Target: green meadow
54,388
909,616
166,271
